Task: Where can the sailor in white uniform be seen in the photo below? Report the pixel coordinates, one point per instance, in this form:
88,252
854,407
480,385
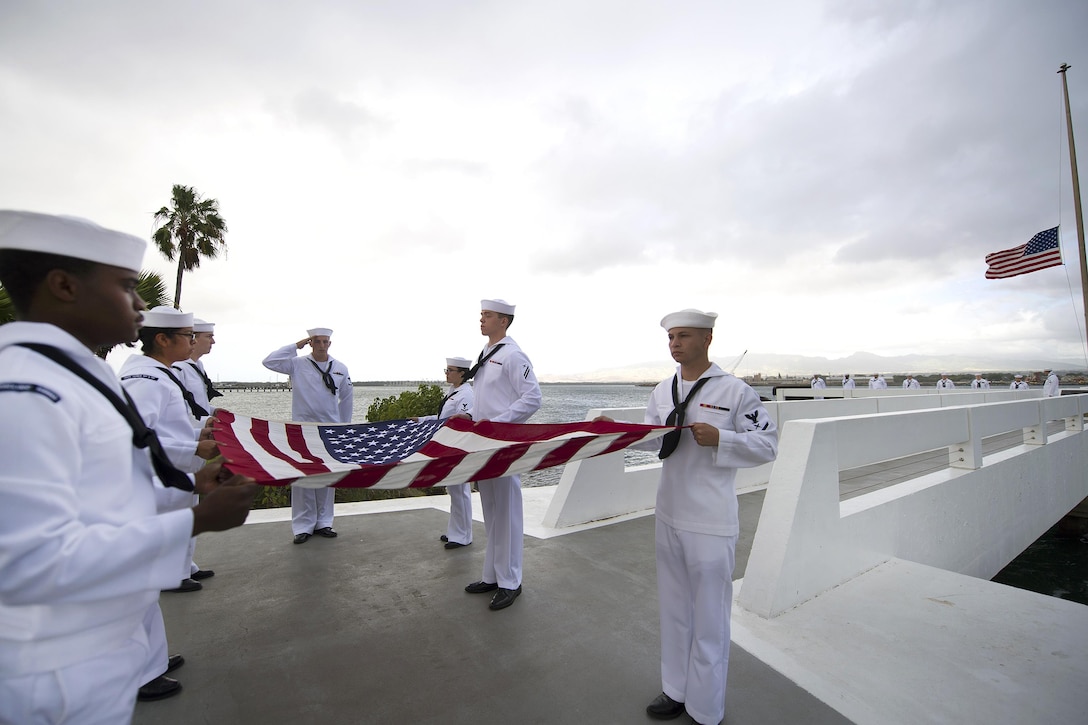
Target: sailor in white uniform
817,383
321,393
877,382
1052,387
458,401
697,514
944,383
1018,383
980,383
848,382
911,383
195,379
83,553
505,390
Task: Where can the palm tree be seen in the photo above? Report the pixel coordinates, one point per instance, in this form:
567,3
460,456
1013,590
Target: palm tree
191,229
7,310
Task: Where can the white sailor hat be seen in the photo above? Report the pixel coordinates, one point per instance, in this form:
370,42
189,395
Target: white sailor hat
69,237
458,362
167,318
500,306
322,331
1018,375
689,318
200,325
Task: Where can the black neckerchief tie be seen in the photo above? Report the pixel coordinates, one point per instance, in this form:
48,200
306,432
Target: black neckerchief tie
194,407
142,436
676,417
326,377
480,360
208,388
443,403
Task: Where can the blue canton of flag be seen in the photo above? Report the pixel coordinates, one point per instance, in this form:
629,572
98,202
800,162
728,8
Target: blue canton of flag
385,442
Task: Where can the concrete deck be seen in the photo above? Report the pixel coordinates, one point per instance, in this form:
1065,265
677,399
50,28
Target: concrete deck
374,627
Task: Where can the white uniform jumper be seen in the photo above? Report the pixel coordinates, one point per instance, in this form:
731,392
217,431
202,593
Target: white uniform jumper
848,383
192,376
313,402
878,383
162,405
696,533
506,391
459,529
945,384
911,384
1051,388
980,383
83,554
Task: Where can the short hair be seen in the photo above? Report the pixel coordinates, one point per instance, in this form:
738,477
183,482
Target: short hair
509,318
147,337
21,271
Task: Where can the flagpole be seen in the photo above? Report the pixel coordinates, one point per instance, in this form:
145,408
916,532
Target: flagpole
1076,194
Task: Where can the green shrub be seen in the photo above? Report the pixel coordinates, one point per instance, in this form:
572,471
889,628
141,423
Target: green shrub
408,404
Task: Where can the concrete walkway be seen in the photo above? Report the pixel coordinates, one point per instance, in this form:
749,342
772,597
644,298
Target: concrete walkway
374,627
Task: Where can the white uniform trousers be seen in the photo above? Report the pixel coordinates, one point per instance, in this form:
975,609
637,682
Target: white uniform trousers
311,509
192,568
459,529
695,594
504,523
100,690
158,657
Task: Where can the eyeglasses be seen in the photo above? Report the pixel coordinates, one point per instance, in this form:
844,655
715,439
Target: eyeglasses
190,335
451,370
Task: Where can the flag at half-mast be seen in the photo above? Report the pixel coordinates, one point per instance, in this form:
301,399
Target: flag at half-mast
404,454
1040,252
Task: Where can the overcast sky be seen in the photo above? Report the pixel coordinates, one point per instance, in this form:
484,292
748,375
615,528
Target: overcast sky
826,175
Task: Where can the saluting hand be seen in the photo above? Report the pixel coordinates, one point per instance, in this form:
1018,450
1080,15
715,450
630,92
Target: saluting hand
302,343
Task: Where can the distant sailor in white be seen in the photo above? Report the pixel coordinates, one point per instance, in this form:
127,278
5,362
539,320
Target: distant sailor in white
817,383
458,401
83,553
506,391
697,514
910,383
980,382
877,382
944,383
1051,388
848,382
1018,383
321,392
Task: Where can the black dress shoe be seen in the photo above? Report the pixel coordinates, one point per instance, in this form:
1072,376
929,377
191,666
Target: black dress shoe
665,708
302,538
187,585
443,537
159,688
504,598
202,574
454,545
174,662
481,587
327,532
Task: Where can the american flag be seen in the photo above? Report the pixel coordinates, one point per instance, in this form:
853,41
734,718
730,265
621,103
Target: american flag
403,454
1040,252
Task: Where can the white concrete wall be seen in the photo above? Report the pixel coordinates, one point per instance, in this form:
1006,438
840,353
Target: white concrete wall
972,518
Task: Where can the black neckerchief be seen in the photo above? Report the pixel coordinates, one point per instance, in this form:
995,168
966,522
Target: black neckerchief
480,360
142,436
208,388
326,377
676,417
443,403
194,407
